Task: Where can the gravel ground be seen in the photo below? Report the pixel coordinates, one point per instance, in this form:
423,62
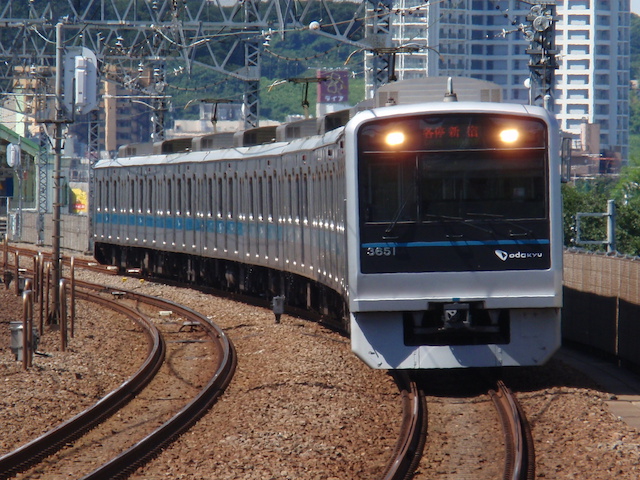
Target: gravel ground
301,406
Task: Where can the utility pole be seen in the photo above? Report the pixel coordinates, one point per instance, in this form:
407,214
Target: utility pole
56,265
542,51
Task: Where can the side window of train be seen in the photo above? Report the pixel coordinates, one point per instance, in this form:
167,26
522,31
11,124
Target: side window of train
298,199
114,196
99,195
332,197
270,198
260,207
132,195
169,197
288,204
219,195
230,198
250,200
179,196
189,197
239,182
209,197
150,196
304,198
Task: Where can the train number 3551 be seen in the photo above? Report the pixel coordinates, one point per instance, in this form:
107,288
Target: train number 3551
381,251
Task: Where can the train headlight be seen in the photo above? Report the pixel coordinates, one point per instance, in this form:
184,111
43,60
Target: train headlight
510,135
394,139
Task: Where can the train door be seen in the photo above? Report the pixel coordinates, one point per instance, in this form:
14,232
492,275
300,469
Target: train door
228,226
321,223
286,219
340,226
160,211
190,216
249,219
149,214
333,262
304,220
201,204
313,252
273,240
241,217
121,209
296,210
262,223
208,228
128,208
219,238
115,207
169,214
178,217
96,209
138,234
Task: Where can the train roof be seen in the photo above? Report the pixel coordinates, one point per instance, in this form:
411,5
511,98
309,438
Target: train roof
451,107
226,154
431,89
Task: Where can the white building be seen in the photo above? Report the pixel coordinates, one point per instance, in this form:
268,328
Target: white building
593,80
483,39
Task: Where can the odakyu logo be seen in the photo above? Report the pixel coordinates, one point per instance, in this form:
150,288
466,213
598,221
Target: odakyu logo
504,256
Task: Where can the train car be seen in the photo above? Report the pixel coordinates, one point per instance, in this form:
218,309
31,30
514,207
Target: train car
455,242
433,231
266,219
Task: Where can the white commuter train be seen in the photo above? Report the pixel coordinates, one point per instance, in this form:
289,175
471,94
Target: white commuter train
432,230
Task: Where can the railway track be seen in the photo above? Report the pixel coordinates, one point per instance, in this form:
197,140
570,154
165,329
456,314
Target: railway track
413,430
91,420
411,440
520,453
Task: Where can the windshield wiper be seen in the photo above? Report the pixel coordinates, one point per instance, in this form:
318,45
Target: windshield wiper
494,216
396,217
387,232
456,220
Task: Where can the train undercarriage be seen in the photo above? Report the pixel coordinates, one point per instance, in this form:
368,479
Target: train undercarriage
258,282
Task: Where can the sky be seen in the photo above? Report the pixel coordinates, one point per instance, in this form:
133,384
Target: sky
635,6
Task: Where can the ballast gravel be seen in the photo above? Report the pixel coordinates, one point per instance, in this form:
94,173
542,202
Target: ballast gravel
302,406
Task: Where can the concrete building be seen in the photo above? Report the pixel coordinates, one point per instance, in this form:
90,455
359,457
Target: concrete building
593,81
485,39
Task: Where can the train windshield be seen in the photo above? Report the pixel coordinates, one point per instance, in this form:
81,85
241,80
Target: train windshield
453,192
453,168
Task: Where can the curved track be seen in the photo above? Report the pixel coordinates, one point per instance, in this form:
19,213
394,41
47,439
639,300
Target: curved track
413,430
54,439
129,460
401,465
520,458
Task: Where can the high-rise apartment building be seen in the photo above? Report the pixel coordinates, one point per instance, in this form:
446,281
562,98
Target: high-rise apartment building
484,39
593,38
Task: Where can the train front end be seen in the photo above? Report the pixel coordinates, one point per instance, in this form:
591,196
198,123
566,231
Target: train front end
454,235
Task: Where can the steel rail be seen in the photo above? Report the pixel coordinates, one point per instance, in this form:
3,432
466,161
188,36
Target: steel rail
26,253
520,457
48,443
413,430
138,454
407,452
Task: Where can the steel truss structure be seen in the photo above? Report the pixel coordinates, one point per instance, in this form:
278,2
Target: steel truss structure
127,33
